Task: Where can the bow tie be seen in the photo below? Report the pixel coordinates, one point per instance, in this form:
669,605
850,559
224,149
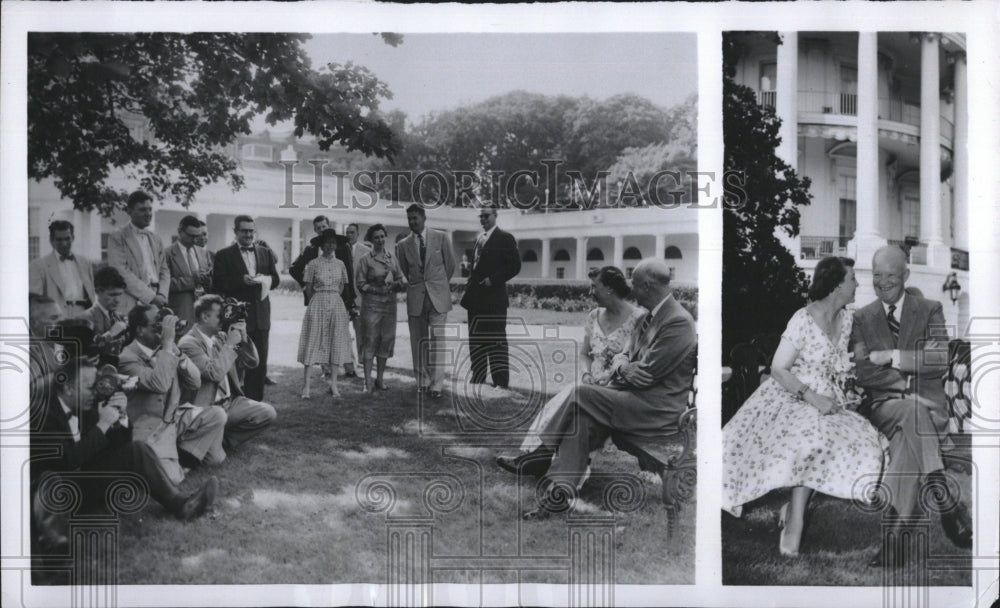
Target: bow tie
246,248
69,257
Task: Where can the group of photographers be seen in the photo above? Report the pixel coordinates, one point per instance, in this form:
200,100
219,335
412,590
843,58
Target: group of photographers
139,397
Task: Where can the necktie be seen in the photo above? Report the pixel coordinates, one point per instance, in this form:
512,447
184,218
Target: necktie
423,250
646,321
246,249
479,248
74,426
192,260
69,257
893,324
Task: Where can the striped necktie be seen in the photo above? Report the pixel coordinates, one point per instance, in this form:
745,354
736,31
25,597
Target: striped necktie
893,324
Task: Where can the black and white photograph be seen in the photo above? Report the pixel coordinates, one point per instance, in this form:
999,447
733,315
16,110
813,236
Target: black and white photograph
363,308
846,396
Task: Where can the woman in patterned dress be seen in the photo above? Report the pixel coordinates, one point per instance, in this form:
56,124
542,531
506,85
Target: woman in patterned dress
795,430
378,278
325,337
608,332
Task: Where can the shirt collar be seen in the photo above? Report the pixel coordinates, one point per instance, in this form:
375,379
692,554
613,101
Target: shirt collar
106,312
898,304
67,409
423,233
489,233
145,349
657,308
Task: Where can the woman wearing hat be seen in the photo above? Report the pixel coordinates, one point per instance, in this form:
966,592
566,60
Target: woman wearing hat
325,337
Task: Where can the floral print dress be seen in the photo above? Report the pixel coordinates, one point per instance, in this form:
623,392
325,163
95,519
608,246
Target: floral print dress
777,440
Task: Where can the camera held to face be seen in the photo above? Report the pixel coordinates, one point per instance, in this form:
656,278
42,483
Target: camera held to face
233,311
179,328
109,382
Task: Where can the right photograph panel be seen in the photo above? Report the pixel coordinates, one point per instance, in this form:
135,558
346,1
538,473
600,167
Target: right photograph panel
845,297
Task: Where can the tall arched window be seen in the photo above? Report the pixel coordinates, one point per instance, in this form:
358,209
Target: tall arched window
595,255
672,253
632,253
529,256
561,256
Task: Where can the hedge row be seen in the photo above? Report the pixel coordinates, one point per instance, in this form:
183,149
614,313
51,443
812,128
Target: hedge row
562,295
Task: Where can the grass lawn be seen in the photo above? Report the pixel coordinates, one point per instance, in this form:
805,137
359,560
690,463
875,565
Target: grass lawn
288,512
837,544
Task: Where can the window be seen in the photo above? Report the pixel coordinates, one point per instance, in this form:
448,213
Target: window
628,272
529,256
104,246
846,191
672,253
561,256
911,213
766,95
259,152
595,255
632,253
560,273
849,90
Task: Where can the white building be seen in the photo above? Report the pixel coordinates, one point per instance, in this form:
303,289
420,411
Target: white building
564,245
878,121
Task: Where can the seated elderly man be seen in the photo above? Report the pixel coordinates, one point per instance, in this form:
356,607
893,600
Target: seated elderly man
182,435
217,355
646,397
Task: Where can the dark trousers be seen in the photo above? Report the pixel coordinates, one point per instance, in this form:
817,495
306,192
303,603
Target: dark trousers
488,346
253,382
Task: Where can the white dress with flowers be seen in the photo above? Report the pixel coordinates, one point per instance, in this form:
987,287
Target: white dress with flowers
603,348
776,440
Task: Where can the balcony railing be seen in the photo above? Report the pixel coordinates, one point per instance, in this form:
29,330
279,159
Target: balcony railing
767,98
818,247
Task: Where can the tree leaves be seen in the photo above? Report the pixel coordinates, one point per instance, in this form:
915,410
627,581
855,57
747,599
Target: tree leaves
193,94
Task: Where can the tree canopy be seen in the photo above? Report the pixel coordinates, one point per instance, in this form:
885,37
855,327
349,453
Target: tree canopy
194,94
762,285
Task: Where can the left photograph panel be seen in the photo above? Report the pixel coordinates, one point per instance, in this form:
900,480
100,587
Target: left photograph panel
362,308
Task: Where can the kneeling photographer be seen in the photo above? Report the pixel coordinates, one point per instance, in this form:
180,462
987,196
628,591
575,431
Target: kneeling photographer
183,435
218,345
109,326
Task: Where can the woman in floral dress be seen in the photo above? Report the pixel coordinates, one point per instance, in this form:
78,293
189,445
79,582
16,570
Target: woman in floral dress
795,430
608,332
325,337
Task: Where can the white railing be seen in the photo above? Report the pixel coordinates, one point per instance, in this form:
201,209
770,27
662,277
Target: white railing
767,98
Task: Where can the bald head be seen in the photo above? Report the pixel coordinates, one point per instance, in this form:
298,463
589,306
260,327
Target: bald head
651,282
889,273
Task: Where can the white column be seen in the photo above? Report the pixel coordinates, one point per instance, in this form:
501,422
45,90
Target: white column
661,244
546,258
581,257
786,104
94,247
619,251
938,253
296,238
867,236
960,155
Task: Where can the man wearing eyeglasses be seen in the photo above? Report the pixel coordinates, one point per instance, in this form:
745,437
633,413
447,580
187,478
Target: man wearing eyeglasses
189,268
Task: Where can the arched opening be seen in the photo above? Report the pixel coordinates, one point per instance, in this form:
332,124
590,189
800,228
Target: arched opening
595,255
672,253
529,256
561,256
632,253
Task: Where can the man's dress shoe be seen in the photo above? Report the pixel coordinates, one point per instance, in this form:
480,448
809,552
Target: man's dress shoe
534,463
195,505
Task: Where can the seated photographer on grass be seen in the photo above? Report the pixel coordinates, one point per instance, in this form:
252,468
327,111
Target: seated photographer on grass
182,434
217,352
43,314
109,326
83,426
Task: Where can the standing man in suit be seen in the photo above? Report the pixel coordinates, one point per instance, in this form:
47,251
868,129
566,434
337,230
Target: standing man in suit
900,345
202,242
247,271
217,354
189,268
426,260
137,253
163,372
61,275
359,249
495,261
645,398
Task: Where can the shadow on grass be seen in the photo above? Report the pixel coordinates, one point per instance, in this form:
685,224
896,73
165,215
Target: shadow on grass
837,544
287,510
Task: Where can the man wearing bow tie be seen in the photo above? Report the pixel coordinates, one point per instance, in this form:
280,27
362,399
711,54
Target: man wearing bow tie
190,273
648,392
63,276
900,344
495,261
248,271
138,254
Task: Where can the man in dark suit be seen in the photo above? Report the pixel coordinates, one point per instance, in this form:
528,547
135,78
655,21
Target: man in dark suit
646,397
247,271
202,242
73,431
495,261
900,345
61,275
103,315
189,269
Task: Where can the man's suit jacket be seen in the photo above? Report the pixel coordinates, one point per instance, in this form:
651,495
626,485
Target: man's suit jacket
227,280
183,281
125,254
45,279
215,364
358,251
500,262
923,350
158,393
432,278
97,318
342,253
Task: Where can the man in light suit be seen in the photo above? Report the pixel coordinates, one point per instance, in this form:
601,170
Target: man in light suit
66,278
137,253
900,345
241,271
426,260
202,242
217,355
164,372
647,395
190,275
495,261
